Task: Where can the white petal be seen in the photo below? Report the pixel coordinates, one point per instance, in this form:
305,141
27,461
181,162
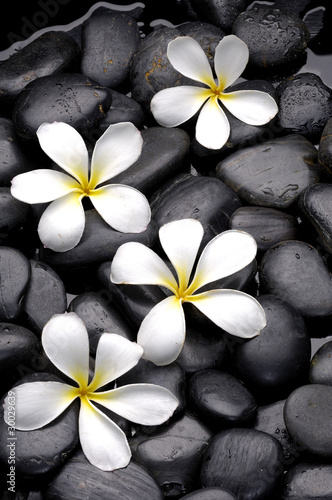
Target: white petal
136,264
224,255
145,404
62,224
187,56
235,312
181,240
39,403
176,105
115,356
103,442
123,207
116,150
162,332
250,106
212,128
66,343
42,186
230,60
65,146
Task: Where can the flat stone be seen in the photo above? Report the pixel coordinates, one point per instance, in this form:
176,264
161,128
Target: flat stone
272,174
13,157
306,481
210,494
320,371
13,213
17,346
14,278
325,149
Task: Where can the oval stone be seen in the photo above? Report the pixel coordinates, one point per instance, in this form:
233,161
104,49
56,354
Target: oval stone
14,278
222,13
13,213
210,494
308,481
123,109
321,367
13,158
65,97
272,174
325,149
298,274
244,461
17,346
307,416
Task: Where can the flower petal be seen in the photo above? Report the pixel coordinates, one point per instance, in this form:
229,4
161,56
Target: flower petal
187,56
212,128
116,150
145,404
230,59
176,105
42,186
181,240
115,356
66,342
250,106
123,207
62,224
66,147
103,442
136,264
39,403
162,332
235,312
224,255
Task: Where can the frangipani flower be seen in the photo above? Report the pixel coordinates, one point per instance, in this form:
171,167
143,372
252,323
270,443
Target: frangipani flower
176,105
66,343
122,207
162,332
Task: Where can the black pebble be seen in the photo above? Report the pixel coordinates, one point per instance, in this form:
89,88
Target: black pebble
321,365
14,278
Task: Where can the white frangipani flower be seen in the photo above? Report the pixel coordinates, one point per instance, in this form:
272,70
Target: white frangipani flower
122,207
66,343
162,332
176,105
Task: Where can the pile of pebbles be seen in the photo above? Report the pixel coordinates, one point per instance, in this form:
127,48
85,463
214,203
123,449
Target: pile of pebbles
254,416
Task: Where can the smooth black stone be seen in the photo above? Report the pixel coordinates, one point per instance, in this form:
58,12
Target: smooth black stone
274,37
315,203
13,213
298,274
244,461
17,346
305,105
65,97
270,419
267,225
222,13
13,159
172,377
99,243
325,149
210,494
272,174
109,41
279,357
308,481
219,398
100,315
15,274
320,371
307,416
79,477
50,53
42,450
123,109
207,34
163,155
203,198
182,442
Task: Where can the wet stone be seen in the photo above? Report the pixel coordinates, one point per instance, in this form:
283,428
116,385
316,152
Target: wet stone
307,416
17,346
219,398
78,475
267,225
123,109
210,494
50,53
173,454
298,274
325,149
13,159
109,41
222,13
272,174
244,461
306,480
305,105
321,367
275,37
273,362
14,278
66,97
13,213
